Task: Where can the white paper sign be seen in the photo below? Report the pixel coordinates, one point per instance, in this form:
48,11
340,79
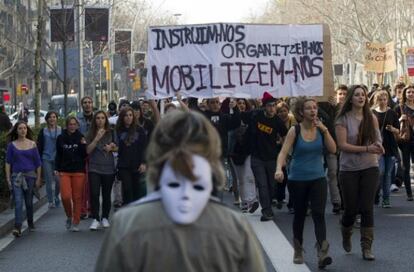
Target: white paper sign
235,60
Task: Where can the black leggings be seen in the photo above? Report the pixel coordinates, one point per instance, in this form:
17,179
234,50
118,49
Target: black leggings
407,157
303,193
131,185
96,182
358,192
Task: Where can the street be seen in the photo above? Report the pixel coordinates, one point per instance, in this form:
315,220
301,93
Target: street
52,248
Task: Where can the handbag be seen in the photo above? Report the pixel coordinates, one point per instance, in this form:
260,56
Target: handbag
405,130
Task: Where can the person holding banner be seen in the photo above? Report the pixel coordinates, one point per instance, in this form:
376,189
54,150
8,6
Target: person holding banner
267,132
359,139
224,123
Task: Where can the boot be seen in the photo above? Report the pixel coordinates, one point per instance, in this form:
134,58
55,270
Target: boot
323,258
298,252
346,238
367,236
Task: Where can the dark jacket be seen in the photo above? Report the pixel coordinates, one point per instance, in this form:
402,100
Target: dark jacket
133,155
224,123
70,152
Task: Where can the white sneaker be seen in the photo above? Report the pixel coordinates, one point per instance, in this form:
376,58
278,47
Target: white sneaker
105,223
394,188
95,225
75,228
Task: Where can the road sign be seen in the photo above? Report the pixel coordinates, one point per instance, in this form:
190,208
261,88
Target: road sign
131,73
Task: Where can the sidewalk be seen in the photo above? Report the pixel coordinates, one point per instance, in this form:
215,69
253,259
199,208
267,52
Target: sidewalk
7,216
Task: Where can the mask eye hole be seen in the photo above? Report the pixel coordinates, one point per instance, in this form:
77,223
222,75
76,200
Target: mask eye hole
173,184
198,187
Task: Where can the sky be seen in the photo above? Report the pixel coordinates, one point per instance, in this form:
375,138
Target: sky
211,11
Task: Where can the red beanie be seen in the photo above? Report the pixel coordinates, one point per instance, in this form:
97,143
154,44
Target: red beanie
267,98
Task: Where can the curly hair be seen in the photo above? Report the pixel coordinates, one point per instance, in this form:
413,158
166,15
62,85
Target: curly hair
176,138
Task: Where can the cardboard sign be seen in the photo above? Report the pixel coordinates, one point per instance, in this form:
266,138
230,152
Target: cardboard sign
379,58
239,60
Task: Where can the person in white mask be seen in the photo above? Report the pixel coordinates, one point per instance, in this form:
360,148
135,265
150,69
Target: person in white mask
181,226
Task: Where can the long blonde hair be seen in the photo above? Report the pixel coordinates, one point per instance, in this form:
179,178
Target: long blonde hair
178,136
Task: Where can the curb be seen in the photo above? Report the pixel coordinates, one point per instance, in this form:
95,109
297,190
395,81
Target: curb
7,216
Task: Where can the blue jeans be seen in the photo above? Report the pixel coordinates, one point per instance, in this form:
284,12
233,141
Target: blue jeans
49,177
386,164
19,195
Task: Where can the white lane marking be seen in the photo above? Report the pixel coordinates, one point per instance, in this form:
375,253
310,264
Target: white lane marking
275,244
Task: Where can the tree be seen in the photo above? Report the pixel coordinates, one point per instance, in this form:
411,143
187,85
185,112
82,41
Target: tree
352,23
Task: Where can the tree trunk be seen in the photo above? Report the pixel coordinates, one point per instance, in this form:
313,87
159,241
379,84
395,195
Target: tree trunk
38,90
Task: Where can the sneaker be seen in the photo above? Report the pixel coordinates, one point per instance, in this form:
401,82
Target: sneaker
394,188
386,203
75,228
84,216
336,208
410,198
266,217
357,223
31,226
51,205
68,223
17,232
57,202
95,225
105,223
254,207
279,205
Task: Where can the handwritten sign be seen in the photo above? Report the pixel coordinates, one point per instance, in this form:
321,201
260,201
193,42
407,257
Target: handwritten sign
379,58
237,60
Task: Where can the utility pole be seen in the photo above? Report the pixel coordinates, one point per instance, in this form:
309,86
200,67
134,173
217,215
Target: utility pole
80,37
65,73
38,90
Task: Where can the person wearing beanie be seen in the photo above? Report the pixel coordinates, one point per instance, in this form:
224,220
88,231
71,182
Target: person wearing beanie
266,133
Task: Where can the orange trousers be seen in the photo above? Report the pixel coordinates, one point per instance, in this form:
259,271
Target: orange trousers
71,189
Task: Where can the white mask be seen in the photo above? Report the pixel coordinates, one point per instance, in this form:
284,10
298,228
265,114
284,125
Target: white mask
185,200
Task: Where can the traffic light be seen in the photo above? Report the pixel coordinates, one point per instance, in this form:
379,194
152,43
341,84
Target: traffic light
136,86
107,65
19,90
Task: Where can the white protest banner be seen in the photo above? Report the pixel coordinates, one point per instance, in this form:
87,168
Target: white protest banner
238,60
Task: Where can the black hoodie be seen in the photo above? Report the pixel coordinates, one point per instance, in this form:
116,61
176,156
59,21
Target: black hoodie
70,152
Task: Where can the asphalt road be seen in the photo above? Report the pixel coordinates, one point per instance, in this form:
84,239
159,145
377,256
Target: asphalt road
52,248
393,244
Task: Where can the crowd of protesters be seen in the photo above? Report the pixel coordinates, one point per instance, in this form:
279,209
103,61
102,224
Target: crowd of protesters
359,145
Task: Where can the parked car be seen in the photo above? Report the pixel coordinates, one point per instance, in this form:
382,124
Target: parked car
31,118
